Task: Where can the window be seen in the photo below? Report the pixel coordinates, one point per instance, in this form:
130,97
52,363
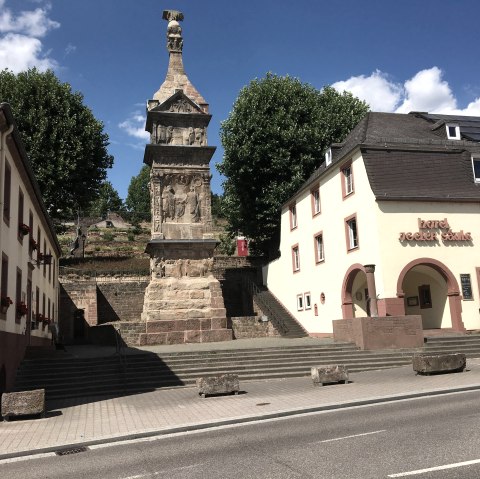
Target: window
30,239
318,244
347,180
307,300
7,193
37,303
50,267
315,201
425,296
18,292
351,231
293,217
20,214
476,169
44,262
299,302
4,285
328,157
295,258
453,131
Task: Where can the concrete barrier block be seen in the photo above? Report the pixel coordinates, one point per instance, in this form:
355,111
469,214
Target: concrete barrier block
329,374
23,403
223,384
439,363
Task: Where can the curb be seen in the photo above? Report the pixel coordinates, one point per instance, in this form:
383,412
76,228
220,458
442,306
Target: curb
239,420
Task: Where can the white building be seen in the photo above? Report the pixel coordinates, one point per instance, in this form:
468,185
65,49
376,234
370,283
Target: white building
388,225
29,256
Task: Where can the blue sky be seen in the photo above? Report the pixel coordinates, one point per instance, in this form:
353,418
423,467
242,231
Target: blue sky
397,55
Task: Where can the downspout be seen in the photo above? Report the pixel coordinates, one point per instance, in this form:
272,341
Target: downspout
3,154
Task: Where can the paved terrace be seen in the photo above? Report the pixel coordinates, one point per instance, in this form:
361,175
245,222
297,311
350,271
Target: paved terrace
99,419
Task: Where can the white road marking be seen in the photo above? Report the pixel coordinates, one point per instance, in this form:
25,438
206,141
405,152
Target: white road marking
349,437
438,468
156,473
27,458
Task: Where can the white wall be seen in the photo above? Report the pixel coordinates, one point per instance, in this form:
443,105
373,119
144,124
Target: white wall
326,277
18,253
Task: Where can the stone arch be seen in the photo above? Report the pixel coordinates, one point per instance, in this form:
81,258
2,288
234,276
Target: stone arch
453,289
347,300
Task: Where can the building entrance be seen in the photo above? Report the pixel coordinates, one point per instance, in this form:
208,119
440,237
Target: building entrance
428,288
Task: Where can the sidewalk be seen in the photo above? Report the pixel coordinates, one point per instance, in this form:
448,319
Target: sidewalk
94,420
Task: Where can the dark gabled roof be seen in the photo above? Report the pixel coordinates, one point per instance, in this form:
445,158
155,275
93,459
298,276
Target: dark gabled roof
469,125
406,159
437,175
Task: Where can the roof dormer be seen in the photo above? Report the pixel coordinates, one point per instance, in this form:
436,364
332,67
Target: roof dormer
453,131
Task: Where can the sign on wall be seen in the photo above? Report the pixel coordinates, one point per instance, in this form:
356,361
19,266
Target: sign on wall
466,285
435,230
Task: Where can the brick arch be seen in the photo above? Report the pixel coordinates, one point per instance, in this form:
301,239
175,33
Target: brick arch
453,290
347,301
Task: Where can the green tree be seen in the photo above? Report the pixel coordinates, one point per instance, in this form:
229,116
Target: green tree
66,145
138,198
216,201
273,140
107,200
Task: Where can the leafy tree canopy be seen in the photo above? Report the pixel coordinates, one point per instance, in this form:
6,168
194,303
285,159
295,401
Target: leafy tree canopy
138,198
107,200
273,140
66,145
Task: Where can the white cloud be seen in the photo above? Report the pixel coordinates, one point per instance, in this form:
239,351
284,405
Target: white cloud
425,91
70,49
18,53
380,93
20,44
135,126
33,23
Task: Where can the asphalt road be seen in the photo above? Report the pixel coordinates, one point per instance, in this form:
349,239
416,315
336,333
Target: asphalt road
401,439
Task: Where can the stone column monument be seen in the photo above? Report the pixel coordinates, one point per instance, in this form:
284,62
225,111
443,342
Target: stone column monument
183,302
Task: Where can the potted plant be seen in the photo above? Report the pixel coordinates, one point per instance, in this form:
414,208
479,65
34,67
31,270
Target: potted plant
46,321
33,244
40,318
45,258
22,309
23,229
5,303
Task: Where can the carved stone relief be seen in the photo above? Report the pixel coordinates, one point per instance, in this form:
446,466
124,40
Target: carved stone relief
181,268
176,198
168,135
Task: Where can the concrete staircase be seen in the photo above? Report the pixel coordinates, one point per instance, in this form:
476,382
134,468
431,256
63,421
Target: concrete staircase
65,376
283,321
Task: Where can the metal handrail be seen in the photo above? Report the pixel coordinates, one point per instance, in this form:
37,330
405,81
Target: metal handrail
120,349
255,291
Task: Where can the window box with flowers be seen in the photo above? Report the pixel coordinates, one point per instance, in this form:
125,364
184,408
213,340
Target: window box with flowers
23,229
5,303
22,309
33,244
44,258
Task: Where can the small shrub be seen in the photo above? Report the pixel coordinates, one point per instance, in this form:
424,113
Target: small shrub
131,235
108,236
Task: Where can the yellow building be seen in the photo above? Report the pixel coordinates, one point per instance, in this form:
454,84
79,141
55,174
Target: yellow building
29,255
388,225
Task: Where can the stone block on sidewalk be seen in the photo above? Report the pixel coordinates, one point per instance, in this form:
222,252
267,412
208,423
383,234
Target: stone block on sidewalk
222,384
23,403
439,363
329,374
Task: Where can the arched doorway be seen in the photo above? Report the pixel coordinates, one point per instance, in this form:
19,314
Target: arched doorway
429,289
355,302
